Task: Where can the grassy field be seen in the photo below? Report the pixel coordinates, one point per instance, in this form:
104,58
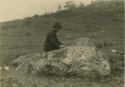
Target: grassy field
103,24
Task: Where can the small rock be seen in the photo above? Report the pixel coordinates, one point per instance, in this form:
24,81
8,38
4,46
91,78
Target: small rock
0,67
14,85
6,68
114,51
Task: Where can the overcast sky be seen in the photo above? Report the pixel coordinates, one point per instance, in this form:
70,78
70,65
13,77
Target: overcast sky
16,9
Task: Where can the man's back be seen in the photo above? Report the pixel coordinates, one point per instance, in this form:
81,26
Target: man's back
51,42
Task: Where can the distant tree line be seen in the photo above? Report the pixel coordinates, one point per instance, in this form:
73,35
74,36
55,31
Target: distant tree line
71,4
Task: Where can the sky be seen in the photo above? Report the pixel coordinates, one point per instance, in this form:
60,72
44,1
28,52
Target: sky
18,9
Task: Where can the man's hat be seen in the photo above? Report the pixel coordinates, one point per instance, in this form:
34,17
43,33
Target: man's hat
57,25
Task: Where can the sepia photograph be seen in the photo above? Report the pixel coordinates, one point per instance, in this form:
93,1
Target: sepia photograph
62,43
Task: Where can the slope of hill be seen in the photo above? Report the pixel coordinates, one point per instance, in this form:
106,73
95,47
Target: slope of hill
100,21
103,22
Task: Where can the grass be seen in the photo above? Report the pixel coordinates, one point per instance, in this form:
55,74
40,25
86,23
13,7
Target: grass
27,36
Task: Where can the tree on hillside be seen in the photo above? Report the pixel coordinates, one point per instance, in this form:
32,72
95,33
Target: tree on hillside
103,0
70,5
81,4
118,0
93,2
59,7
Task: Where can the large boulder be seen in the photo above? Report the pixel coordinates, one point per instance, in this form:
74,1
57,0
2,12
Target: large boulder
79,60
84,41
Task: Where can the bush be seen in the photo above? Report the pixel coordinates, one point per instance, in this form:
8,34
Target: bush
99,45
117,64
105,43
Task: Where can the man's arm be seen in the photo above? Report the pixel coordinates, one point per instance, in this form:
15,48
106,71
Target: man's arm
58,41
60,44
53,40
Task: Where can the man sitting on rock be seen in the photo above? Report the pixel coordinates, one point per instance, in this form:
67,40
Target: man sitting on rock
52,42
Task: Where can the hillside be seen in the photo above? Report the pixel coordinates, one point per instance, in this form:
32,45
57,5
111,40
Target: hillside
102,22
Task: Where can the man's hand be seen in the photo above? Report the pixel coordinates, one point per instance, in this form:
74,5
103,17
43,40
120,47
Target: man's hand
62,46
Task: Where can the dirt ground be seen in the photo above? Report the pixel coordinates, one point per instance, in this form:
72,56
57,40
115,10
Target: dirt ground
13,78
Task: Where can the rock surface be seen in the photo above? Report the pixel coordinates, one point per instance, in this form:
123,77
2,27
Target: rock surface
86,42
79,60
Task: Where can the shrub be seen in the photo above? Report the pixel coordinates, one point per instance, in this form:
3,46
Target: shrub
105,43
99,45
117,63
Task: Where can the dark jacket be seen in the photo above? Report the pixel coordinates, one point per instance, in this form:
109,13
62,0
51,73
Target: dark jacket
51,42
